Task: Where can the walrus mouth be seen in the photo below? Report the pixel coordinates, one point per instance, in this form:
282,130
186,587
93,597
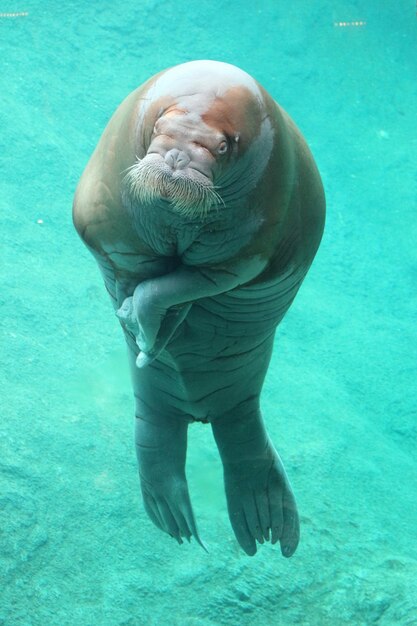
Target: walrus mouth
190,192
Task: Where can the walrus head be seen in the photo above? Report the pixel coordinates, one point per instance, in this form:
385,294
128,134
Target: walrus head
202,137
181,163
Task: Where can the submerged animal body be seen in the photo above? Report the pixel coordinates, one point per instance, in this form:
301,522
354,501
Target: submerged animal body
204,209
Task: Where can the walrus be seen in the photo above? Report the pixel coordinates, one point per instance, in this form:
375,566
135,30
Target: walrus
204,209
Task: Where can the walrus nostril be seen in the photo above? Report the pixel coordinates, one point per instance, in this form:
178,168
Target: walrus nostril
177,159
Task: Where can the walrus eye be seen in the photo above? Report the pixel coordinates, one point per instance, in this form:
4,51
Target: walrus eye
222,148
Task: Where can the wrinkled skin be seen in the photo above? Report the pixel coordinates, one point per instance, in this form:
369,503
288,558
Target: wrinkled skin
204,209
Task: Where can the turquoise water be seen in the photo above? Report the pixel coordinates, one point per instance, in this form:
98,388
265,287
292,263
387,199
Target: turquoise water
75,544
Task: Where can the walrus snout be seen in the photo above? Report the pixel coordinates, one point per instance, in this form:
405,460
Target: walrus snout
190,191
177,159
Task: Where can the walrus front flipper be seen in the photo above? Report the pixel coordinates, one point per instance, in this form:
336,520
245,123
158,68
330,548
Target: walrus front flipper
170,322
173,318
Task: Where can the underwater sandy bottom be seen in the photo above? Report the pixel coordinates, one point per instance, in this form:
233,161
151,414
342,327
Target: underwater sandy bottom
75,544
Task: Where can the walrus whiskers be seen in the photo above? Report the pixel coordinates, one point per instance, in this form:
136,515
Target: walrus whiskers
149,179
